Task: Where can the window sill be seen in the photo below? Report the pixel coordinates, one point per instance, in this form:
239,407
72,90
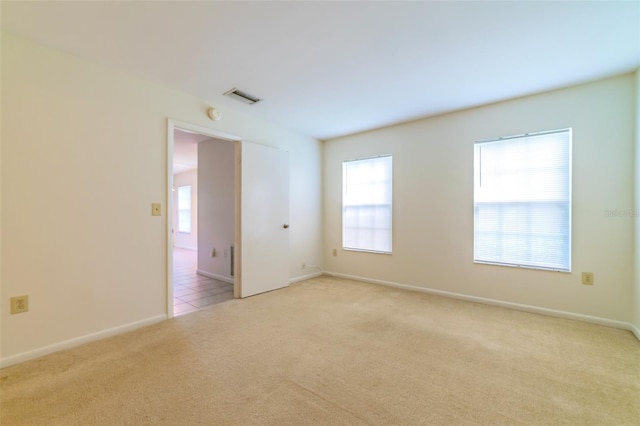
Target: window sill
366,251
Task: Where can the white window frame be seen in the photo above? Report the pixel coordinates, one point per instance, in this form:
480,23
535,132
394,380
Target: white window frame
184,212
361,234
522,234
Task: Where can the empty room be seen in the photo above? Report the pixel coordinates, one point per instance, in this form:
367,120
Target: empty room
394,213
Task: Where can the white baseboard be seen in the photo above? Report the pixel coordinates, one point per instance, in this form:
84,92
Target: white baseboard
215,276
305,277
500,303
67,344
635,330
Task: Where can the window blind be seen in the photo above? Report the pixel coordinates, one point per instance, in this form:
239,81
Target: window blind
367,204
522,201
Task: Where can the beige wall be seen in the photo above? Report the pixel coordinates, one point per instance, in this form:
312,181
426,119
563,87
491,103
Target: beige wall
216,207
182,240
83,158
433,200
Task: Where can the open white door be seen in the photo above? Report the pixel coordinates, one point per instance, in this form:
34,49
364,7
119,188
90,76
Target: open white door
264,211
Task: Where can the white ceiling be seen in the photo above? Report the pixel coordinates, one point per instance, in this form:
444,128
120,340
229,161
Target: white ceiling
333,68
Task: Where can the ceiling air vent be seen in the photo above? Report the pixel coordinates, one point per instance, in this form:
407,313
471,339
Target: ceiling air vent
241,96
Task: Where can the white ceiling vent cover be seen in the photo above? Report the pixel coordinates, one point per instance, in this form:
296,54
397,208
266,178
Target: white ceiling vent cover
241,96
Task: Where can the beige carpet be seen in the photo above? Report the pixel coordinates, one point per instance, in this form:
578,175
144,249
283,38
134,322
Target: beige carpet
337,352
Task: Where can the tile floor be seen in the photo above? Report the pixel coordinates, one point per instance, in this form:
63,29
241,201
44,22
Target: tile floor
192,291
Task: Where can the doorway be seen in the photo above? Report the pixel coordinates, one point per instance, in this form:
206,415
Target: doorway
255,256
202,219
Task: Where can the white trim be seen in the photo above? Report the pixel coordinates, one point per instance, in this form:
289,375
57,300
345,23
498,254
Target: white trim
185,248
215,276
189,127
67,344
635,330
169,217
500,303
367,158
237,245
524,135
305,277
172,125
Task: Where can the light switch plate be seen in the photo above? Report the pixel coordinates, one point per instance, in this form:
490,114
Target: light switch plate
156,209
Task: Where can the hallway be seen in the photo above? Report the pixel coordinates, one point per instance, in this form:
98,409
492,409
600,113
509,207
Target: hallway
191,291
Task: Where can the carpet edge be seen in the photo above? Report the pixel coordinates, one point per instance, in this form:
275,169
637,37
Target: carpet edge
493,302
77,341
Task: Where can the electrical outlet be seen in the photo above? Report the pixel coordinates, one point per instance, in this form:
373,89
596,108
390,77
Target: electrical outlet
587,278
19,304
335,252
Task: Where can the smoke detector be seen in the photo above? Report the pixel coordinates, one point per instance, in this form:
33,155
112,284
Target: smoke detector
241,96
213,114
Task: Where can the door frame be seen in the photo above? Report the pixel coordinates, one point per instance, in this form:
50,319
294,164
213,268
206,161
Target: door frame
173,125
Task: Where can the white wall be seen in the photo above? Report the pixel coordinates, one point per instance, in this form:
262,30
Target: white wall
433,200
216,209
181,239
83,158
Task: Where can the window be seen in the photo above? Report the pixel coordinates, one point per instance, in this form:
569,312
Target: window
184,209
522,201
366,204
